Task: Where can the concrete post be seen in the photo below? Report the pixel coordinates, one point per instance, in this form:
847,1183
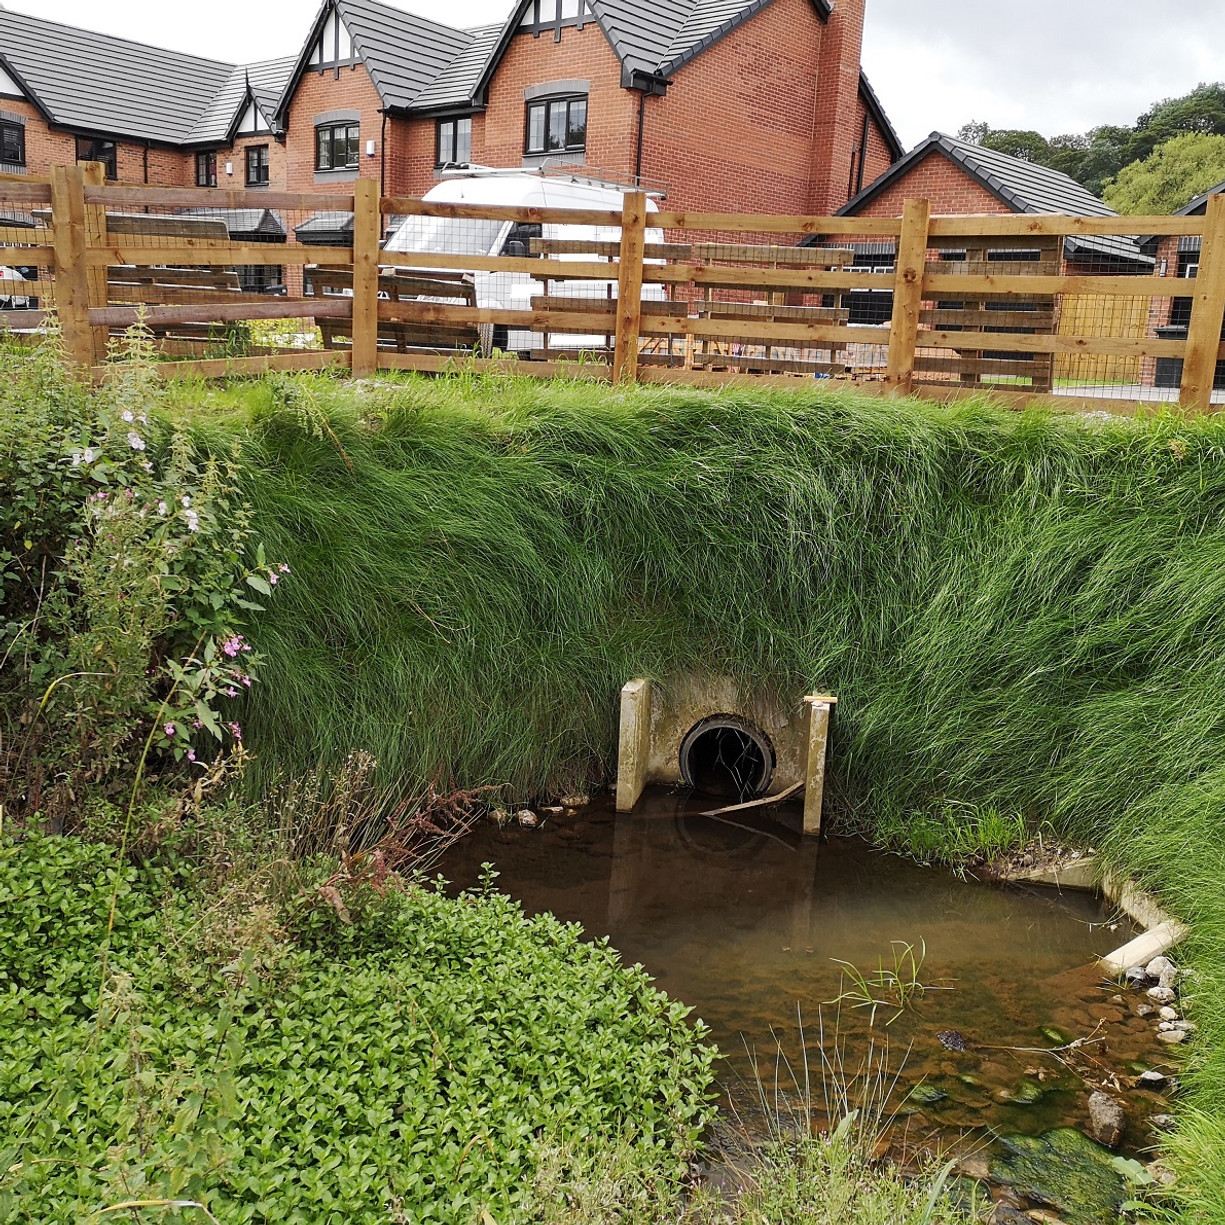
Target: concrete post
819,706
634,745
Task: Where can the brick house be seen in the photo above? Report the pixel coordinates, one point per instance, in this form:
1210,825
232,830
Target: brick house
1178,256
960,178
746,105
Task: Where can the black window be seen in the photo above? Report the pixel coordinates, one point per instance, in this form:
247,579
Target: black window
206,170
337,146
557,125
90,149
257,165
12,143
454,144
261,278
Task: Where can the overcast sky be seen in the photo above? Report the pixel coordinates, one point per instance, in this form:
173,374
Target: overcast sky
1053,65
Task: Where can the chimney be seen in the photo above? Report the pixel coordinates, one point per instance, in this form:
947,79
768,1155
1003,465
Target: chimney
838,122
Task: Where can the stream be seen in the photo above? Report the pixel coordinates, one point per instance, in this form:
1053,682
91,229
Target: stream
751,925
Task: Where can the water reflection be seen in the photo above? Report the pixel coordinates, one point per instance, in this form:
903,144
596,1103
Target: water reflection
742,918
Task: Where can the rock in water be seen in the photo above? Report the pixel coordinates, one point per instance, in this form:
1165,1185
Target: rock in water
1106,1119
527,818
1161,995
1066,1170
1135,976
951,1040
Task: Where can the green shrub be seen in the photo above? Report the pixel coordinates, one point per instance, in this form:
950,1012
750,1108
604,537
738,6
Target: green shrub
414,1063
127,570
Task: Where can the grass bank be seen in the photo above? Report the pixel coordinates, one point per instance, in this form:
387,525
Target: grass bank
1020,612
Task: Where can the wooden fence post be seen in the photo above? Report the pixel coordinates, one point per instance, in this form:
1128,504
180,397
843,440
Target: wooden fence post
367,227
93,174
71,272
1207,313
629,286
907,296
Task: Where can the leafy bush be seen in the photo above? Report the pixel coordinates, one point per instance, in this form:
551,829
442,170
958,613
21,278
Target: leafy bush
415,1077
126,572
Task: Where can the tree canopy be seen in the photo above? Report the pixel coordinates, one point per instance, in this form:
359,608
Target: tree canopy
1096,157
1174,173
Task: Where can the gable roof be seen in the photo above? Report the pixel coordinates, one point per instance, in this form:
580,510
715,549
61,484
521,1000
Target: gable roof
456,86
108,86
403,53
1200,203
1025,187
263,83
877,111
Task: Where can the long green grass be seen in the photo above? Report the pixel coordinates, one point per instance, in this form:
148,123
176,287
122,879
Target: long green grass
1024,612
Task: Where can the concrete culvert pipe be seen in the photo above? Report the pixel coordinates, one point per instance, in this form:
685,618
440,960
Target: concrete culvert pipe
727,756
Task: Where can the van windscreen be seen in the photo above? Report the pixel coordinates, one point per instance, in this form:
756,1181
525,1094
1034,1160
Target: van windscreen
446,235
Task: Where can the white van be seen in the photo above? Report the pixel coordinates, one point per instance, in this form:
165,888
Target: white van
515,290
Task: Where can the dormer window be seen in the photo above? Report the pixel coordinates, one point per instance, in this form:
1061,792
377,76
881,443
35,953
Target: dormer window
334,47
545,15
557,124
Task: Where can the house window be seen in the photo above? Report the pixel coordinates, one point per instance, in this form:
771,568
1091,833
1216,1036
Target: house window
261,278
557,125
12,143
338,146
257,165
90,149
206,170
454,144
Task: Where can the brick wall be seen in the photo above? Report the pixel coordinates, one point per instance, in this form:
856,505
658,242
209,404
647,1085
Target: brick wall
839,115
735,131
612,112
318,92
236,157
46,148
878,158
948,187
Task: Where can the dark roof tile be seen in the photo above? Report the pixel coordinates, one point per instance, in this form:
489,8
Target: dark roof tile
107,85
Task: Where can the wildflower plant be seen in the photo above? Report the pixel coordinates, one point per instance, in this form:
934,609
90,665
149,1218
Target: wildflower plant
134,607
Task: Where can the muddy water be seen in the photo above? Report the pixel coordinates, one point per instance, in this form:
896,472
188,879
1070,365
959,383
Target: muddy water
744,922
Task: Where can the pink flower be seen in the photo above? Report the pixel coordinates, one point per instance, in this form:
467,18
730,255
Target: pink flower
284,569
246,680
231,646
191,754
197,724
169,729
235,730
272,579
231,692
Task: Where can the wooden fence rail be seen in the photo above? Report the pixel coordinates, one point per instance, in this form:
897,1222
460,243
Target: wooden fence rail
957,304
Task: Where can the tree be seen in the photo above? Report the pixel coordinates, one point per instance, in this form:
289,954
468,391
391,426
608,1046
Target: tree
1028,146
1098,156
1175,173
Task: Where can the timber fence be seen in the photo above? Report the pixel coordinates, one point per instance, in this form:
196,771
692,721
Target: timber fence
1085,313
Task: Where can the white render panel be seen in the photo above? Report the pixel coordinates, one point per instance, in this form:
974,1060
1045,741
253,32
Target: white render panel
9,86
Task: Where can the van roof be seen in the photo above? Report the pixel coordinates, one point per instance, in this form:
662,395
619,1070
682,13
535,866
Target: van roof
542,191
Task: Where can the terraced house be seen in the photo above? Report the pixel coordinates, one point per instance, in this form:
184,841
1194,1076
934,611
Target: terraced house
743,105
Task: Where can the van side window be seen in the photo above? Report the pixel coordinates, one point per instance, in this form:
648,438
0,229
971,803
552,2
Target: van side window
519,241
